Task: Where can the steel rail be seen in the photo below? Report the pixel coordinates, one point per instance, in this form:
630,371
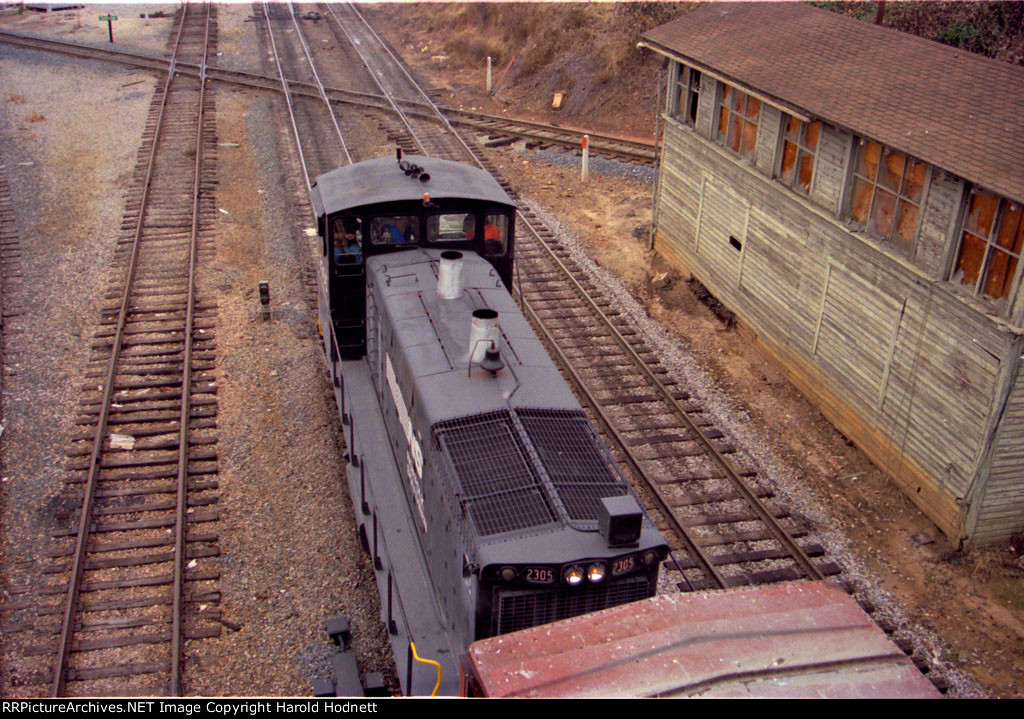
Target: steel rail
373,75
696,552
67,627
177,628
319,84
639,151
796,552
723,464
572,135
426,98
152,62
288,100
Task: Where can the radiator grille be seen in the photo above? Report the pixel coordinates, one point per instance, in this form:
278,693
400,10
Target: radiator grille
580,469
517,609
499,488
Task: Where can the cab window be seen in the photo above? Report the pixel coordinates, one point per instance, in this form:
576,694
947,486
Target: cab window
451,227
347,240
495,234
394,229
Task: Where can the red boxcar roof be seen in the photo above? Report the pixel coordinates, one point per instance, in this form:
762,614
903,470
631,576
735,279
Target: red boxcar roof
800,639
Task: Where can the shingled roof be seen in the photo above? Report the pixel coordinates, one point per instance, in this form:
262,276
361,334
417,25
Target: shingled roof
950,108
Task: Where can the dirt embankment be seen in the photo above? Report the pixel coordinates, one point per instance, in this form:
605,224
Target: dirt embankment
586,51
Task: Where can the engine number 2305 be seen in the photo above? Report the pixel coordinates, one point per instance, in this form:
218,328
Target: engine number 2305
540,575
623,565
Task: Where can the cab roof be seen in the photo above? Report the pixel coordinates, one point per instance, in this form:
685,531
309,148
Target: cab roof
382,180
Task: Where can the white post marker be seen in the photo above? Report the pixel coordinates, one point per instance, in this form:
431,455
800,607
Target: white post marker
488,73
586,158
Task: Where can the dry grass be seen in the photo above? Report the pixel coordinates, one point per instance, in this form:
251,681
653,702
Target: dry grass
532,37
15,98
36,117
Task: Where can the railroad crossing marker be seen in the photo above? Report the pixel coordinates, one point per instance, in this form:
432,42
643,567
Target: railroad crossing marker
110,24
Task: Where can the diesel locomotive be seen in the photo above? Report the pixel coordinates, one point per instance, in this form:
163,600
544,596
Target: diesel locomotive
486,500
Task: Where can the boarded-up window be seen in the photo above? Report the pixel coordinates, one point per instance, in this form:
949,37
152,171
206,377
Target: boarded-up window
799,145
738,117
687,95
990,245
887,190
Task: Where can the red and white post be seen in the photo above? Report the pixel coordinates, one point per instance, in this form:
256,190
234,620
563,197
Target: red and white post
585,170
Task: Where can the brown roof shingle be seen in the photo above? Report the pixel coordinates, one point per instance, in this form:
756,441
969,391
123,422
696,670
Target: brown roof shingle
951,108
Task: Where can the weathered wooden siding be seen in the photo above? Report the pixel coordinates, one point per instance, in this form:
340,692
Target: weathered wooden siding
706,105
723,215
768,130
830,168
934,243
1001,511
1017,308
945,369
900,363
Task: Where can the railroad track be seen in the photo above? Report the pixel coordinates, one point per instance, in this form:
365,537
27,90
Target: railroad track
128,575
10,277
729,528
500,130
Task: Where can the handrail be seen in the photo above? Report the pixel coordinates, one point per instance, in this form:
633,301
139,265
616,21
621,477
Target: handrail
412,648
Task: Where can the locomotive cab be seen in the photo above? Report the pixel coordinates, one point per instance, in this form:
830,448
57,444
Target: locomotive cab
385,206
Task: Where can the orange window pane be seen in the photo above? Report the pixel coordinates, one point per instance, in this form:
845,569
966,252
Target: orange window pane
811,135
1011,227
868,156
981,213
739,101
906,222
753,109
891,172
806,169
788,170
883,211
861,199
723,123
735,131
749,138
1000,275
913,183
972,254
793,129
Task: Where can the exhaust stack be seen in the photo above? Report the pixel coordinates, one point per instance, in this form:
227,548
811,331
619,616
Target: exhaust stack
449,275
484,334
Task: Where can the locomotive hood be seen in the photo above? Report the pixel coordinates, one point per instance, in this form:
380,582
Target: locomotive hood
429,346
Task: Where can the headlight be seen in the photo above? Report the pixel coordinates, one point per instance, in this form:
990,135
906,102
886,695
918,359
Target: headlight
573,576
507,574
650,557
596,572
